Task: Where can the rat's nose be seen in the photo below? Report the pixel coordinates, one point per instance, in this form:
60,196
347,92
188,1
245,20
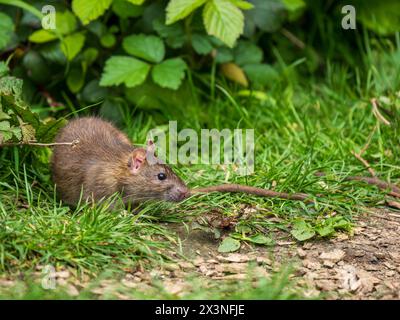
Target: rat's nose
182,192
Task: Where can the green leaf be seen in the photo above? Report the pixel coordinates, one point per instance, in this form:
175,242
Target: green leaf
224,55
169,73
229,245
180,9
261,74
72,44
201,44
128,70
108,40
260,239
244,5
37,68
150,48
3,69
266,15
90,55
88,10
302,231
124,9
75,79
42,36
247,52
223,20
6,30
93,93
173,34
65,23
136,2
294,5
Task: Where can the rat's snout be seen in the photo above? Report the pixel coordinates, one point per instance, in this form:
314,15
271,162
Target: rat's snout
179,193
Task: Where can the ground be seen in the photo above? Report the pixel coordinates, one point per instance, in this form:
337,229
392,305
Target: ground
361,265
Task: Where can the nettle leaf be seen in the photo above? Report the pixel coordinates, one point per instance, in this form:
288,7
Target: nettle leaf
66,23
229,245
88,10
72,44
180,9
6,30
302,230
127,70
150,48
223,20
201,43
169,73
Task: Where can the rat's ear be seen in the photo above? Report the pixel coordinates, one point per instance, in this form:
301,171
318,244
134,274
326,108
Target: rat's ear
136,160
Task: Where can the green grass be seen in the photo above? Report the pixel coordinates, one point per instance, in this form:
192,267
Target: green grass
301,127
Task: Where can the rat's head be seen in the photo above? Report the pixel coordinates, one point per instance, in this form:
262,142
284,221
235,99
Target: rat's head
148,179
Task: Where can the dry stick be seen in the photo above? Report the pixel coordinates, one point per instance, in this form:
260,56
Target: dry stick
394,190
39,144
364,162
377,114
253,190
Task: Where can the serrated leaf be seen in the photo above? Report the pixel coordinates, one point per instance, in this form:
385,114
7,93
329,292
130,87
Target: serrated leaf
88,10
6,29
201,44
266,15
150,48
180,9
169,73
223,20
127,70
302,231
229,245
235,73
72,44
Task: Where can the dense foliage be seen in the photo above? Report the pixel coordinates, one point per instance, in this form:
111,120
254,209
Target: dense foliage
162,55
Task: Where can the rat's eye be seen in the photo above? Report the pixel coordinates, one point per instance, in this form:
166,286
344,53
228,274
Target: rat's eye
161,176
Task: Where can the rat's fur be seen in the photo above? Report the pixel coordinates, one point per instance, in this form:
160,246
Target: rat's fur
99,166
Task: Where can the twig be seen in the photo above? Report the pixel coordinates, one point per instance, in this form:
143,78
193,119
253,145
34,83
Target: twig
296,41
394,190
378,115
253,190
364,162
39,144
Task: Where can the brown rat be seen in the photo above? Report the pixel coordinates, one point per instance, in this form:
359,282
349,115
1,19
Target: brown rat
104,162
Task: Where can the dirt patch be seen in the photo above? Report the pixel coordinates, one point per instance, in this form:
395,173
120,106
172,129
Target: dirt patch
365,265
